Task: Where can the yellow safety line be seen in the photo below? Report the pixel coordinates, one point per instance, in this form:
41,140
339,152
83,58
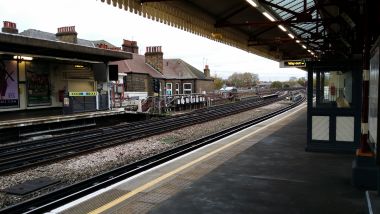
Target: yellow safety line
167,175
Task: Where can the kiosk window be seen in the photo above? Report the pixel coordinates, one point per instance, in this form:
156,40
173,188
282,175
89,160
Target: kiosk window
333,89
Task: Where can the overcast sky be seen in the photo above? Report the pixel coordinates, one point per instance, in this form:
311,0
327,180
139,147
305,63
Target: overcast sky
95,20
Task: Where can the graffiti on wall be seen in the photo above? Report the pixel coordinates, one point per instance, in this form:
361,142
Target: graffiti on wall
38,84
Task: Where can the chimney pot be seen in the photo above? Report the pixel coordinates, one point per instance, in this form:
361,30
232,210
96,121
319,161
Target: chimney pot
9,27
154,57
206,71
130,46
67,34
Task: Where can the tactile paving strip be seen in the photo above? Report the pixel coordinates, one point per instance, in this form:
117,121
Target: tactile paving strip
179,182
88,206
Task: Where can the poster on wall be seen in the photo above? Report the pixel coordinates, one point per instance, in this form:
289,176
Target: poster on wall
8,84
38,84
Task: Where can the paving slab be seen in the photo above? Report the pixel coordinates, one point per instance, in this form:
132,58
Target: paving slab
275,175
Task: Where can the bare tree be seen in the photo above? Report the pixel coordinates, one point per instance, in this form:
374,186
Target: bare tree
243,79
218,82
276,84
302,81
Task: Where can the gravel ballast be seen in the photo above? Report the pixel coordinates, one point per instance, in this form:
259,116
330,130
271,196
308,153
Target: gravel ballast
81,167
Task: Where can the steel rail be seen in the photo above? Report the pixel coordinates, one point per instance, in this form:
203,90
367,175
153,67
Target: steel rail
49,201
24,158
36,145
7,148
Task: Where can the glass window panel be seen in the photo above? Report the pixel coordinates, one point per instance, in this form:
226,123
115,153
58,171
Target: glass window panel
177,88
288,15
333,89
298,9
187,89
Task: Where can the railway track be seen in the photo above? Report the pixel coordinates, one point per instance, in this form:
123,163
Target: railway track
24,155
67,194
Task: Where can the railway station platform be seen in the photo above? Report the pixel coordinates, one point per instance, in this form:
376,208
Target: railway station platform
43,116
23,125
262,169
51,115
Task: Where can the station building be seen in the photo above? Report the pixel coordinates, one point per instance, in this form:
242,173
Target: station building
45,70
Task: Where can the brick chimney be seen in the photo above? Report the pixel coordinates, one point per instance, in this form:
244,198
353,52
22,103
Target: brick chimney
130,46
9,27
67,34
154,57
206,71
101,45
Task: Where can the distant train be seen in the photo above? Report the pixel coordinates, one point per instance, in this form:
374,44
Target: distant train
294,96
269,96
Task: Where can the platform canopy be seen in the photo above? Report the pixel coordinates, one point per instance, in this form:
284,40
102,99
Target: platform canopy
15,44
276,29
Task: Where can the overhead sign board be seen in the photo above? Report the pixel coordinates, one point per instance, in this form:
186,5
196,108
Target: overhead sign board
292,63
82,94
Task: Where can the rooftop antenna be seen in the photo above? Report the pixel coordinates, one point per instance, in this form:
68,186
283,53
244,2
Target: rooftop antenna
204,60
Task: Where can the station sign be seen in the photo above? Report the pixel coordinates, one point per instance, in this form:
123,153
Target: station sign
292,63
82,93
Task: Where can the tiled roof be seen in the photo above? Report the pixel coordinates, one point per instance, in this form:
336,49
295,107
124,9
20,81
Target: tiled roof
179,69
137,65
37,46
96,42
172,68
51,36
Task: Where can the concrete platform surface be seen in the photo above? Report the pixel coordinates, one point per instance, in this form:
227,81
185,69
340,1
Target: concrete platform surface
274,176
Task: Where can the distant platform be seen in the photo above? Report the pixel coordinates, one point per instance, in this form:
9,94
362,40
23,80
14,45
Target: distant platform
23,118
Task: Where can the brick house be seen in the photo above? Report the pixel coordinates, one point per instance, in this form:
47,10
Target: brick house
175,75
